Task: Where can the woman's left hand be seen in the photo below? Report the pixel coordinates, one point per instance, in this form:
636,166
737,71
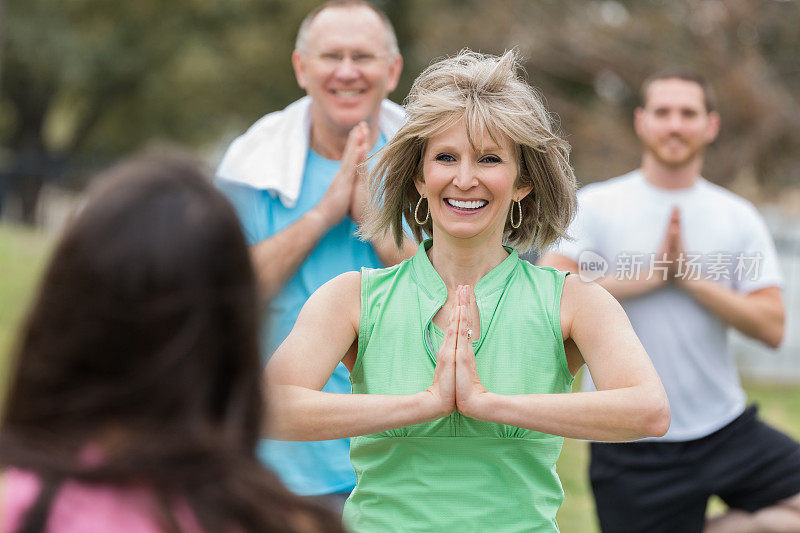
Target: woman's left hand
469,390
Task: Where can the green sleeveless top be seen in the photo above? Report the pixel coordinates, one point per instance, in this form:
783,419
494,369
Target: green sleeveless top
457,472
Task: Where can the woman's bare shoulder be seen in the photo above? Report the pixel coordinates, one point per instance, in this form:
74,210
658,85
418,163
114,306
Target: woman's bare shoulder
345,286
586,298
577,292
339,297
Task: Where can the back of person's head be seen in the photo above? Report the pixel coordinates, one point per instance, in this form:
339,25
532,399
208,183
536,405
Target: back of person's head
489,95
141,348
145,317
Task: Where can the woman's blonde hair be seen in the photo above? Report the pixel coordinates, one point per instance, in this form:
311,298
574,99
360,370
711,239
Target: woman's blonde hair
489,95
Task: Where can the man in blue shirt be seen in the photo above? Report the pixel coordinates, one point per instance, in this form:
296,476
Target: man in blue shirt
294,179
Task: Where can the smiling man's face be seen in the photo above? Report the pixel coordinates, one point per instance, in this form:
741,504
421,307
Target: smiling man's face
346,67
674,125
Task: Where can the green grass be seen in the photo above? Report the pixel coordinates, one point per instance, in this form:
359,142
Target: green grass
778,406
23,252
22,256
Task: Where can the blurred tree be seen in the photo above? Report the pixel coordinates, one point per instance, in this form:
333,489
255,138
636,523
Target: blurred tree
589,58
86,81
2,39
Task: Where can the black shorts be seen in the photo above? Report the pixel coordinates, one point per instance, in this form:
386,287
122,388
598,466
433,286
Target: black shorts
665,486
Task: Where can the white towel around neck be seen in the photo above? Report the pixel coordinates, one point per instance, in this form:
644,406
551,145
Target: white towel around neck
271,155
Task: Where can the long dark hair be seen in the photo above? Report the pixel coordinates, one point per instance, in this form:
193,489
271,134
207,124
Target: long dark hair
143,335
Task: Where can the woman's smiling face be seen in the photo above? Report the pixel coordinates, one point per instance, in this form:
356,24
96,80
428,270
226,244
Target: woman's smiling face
469,189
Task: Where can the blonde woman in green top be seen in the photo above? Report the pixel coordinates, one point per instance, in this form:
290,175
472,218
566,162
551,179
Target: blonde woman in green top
462,357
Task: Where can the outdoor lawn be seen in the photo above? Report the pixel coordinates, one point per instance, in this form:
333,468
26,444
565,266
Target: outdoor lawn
22,256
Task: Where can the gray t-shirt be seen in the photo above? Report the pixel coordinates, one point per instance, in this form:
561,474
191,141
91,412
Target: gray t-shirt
620,226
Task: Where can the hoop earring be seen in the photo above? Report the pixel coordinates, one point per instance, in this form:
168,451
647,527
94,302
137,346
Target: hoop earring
416,212
519,206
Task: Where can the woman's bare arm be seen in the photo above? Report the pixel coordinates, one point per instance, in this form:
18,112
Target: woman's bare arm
325,331
630,402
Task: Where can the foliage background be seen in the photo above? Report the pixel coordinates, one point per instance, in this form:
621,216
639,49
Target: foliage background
86,81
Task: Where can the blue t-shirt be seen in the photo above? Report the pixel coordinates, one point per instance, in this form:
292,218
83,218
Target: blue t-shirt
307,468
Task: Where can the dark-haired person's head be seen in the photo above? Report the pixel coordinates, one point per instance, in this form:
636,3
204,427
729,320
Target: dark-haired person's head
141,345
145,315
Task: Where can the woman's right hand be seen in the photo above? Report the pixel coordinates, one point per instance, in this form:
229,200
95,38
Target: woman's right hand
443,388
